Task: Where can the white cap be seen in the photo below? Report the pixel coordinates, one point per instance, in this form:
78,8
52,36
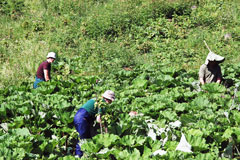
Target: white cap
108,94
51,55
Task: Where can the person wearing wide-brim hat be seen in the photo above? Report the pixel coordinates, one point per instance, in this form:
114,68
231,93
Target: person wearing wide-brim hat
44,69
86,115
210,71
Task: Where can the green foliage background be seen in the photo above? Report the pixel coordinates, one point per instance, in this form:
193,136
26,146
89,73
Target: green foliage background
147,51
105,35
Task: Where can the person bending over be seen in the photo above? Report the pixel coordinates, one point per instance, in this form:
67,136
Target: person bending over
85,117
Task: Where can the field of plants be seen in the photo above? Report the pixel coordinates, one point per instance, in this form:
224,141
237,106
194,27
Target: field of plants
147,52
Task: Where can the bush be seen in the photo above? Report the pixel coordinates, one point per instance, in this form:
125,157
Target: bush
12,7
112,23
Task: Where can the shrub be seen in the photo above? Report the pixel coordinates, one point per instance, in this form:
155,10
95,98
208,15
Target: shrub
12,7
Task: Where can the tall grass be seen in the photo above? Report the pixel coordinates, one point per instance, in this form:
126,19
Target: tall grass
102,36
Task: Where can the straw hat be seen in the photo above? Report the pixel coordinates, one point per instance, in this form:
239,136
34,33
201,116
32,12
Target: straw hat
214,57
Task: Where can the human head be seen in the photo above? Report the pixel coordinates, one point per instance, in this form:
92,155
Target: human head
109,96
212,63
51,57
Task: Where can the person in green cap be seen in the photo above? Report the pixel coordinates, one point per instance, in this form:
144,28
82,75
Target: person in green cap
86,115
210,71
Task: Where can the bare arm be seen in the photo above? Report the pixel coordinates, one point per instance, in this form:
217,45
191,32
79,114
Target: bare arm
46,75
202,81
201,74
101,124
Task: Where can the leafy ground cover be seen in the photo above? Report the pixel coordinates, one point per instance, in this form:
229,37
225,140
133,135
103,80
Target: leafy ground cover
39,123
148,52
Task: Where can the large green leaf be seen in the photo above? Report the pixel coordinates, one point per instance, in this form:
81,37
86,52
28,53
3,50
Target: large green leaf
91,147
214,88
140,83
22,131
198,143
106,139
128,140
200,103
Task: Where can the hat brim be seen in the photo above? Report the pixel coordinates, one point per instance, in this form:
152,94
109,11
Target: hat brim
214,57
107,97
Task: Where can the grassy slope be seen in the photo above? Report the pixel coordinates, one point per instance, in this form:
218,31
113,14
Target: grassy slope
103,36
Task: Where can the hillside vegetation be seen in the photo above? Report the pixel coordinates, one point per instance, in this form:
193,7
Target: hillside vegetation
147,51
106,35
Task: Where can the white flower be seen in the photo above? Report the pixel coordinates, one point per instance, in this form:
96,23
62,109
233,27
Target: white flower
4,126
175,124
81,142
103,151
184,145
174,137
226,114
42,114
165,140
152,134
159,152
54,137
149,120
160,131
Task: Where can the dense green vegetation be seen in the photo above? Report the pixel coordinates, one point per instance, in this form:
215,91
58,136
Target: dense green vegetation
106,35
148,52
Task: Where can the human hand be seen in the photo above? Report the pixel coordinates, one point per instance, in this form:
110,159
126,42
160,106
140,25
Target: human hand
99,119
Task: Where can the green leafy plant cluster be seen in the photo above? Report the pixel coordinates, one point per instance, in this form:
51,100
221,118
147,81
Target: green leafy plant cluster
39,123
119,33
12,7
148,52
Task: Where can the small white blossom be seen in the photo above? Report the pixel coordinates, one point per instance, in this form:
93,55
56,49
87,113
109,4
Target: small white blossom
159,152
152,134
54,137
226,114
4,126
81,142
175,124
42,114
103,151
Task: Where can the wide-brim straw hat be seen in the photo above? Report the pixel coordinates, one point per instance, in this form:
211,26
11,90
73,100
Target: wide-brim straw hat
214,57
108,94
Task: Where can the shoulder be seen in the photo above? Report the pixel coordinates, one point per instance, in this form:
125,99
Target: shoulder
90,102
93,100
46,64
203,66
